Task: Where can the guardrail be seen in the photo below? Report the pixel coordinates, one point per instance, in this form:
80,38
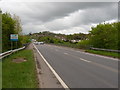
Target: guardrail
2,55
109,50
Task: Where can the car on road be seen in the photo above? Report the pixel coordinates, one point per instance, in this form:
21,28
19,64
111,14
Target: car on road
38,43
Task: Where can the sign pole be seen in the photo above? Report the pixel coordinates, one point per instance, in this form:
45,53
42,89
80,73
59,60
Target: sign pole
16,44
11,45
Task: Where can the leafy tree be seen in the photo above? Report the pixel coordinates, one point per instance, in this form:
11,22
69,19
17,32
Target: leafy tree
105,36
7,28
17,27
11,25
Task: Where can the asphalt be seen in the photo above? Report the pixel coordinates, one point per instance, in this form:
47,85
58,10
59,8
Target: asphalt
81,70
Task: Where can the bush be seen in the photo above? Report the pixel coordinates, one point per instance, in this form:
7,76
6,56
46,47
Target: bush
83,44
105,36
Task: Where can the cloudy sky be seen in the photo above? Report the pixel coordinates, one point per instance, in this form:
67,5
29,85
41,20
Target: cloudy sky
61,17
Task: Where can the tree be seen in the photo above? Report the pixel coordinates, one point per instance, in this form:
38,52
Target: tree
10,25
7,28
17,27
105,36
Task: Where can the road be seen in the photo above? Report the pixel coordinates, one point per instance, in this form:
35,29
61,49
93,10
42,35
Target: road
79,69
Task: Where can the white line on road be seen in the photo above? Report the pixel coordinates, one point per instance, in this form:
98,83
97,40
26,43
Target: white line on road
84,60
78,57
54,72
110,58
66,53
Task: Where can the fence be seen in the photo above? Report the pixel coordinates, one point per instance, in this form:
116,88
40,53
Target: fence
109,50
2,55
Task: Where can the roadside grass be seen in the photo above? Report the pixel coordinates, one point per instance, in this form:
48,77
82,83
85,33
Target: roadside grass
105,53
19,75
0,74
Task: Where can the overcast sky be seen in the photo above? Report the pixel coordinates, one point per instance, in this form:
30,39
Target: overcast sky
61,17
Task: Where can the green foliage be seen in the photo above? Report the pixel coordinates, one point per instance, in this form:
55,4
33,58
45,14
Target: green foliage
7,28
24,39
102,36
105,36
17,27
79,36
84,44
11,25
49,39
19,75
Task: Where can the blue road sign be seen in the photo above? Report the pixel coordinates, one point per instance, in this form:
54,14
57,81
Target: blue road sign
14,37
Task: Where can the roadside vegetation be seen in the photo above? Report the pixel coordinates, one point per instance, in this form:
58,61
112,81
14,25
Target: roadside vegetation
19,70
105,53
11,24
104,36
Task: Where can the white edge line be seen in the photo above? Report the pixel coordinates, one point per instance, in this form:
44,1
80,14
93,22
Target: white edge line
54,72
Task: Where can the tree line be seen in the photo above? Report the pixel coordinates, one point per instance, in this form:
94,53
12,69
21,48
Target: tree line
11,25
104,35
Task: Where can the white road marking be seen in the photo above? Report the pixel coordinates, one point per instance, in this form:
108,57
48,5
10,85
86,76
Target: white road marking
110,58
66,53
84,60
54,72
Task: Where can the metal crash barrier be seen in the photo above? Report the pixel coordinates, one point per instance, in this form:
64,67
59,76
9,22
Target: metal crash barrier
2,55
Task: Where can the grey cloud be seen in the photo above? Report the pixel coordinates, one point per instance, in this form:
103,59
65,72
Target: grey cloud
38,16
85,17
50,11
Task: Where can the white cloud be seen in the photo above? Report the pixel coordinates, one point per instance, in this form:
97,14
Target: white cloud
82,29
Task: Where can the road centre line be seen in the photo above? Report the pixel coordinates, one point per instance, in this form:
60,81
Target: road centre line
94,63
66,53
91,62
78,57
84,60
110,58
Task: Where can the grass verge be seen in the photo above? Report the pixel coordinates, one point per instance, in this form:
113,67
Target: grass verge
105,53
19,75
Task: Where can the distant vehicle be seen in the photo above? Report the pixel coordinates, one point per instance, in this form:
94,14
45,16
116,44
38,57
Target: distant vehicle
35,43
41,42
38,43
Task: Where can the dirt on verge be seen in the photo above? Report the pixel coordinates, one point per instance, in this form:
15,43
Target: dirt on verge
19,60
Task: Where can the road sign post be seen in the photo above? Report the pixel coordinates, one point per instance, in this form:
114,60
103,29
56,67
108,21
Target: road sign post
11,45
